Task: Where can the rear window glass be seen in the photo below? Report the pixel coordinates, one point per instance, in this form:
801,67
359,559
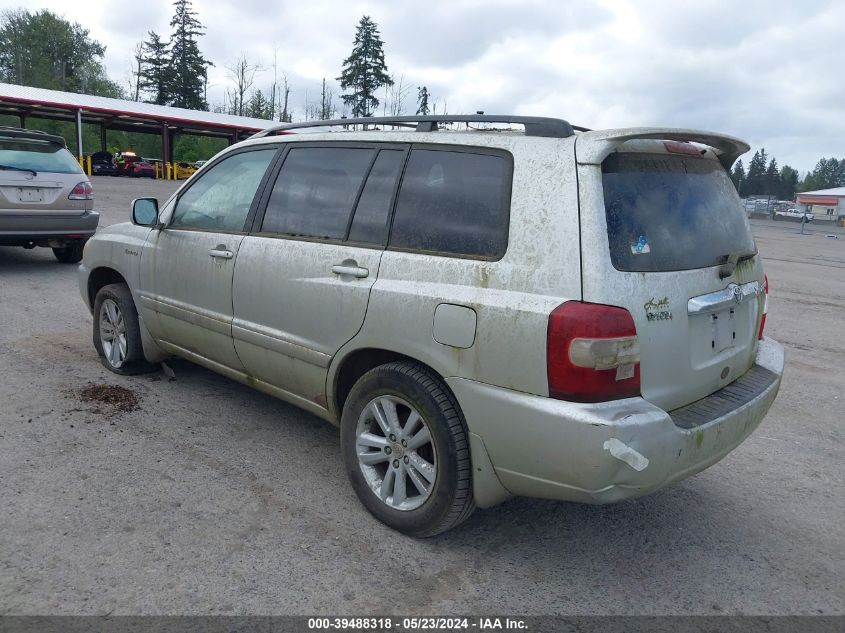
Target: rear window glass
315,191
669,213
39,156
453,203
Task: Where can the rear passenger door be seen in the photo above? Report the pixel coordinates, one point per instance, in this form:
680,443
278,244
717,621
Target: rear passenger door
303,277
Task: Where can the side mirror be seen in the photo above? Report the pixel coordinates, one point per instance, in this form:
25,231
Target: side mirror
145,211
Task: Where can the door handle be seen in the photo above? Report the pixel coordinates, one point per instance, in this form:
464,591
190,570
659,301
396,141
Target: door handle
220,252
350,269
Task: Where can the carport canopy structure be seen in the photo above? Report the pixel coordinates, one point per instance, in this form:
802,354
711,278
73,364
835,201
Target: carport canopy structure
124,116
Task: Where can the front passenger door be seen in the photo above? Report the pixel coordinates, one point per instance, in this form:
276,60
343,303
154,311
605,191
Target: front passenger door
186,268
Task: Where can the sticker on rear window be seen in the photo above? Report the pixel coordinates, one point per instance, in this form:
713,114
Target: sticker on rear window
640,247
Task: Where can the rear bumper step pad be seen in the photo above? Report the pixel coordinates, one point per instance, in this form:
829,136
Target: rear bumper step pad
742,390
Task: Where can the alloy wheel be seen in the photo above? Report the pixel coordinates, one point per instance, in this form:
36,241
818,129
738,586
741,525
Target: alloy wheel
396,452
113,333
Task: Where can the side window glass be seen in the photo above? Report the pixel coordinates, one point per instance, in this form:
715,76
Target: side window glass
315,191
221,198
453,203
370,222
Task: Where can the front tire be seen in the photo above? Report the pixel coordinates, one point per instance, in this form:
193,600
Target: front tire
70,254
405,447
117,334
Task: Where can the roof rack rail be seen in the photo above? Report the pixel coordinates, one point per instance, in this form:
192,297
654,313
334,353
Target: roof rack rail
534,125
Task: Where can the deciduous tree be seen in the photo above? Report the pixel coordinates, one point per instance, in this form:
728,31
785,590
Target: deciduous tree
44,50
242,72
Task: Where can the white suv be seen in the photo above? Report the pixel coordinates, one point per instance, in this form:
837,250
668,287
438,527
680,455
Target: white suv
484,313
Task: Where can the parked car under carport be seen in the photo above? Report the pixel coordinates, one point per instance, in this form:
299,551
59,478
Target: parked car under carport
102,164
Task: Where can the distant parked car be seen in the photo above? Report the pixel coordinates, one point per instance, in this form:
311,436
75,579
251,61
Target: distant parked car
125,163
184,171
142,168
45,197
793,214
102,164
200,163
158,167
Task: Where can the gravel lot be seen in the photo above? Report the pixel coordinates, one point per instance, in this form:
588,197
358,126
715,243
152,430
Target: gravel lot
204,497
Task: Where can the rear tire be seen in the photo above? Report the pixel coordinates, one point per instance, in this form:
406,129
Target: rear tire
117,334
70,254
405,448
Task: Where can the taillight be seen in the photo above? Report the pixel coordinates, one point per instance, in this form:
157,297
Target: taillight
765,306
82,191
592,353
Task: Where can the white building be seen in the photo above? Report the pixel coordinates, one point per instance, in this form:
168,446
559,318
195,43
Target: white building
825,204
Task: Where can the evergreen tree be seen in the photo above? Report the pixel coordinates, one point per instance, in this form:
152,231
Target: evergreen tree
755,180
364,71
771,181
422,100
788,183
828,173
188,67
156,76
258,107
738,177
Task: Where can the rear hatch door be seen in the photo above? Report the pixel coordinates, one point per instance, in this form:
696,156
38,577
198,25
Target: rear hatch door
36,176
664,235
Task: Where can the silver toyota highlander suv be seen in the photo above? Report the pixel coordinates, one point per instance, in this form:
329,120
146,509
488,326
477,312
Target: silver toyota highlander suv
484,312
45,197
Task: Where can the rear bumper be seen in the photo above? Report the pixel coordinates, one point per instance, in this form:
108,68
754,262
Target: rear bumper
46,225
605,452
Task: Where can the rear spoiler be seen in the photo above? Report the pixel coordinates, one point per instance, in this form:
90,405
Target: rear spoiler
32,135
593,147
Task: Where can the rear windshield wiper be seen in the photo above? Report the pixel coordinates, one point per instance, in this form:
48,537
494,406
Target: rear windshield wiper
728,262
13,168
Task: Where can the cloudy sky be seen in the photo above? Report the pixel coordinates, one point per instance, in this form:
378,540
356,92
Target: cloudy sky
768,72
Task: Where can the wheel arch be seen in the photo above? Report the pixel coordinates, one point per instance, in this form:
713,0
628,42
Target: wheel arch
100,277
349,367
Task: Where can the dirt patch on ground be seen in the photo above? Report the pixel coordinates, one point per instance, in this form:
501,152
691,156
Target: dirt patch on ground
118,399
